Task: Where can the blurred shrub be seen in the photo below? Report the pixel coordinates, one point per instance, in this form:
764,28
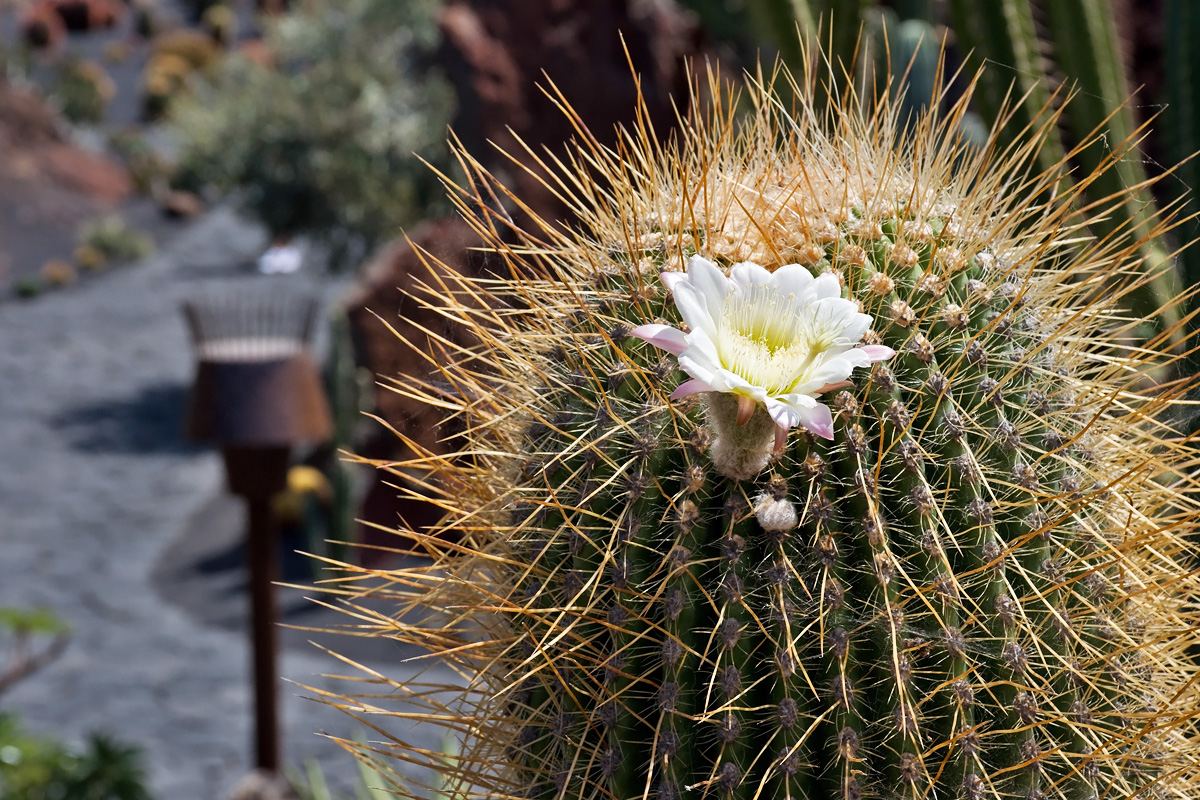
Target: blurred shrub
33,768
146,166
57,272
221,23
39,768
117,51
112,238
30,639
322,145
375,781
27,287
82,91
89,259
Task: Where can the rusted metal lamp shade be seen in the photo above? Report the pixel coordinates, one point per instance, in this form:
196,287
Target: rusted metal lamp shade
259,403
256,385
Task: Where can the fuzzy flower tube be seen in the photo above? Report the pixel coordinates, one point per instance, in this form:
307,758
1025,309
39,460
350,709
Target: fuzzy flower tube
814,463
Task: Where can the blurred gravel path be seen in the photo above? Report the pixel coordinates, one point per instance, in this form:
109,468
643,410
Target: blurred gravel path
95,486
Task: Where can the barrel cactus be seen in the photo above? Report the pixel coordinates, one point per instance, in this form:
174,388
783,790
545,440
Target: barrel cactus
812,463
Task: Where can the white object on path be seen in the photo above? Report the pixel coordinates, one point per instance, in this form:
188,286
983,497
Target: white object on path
280,259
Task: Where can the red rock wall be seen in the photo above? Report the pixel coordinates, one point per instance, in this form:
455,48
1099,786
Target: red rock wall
500,54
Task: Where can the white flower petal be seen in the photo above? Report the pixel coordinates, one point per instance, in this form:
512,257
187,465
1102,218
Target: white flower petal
738,385
877,352
701,370
784,415
693,306
710,283
799,401
855,357
818,419
701,349
746,274
832,370
672,279
835,319
664,337
826,285
809,412
793,279
690,387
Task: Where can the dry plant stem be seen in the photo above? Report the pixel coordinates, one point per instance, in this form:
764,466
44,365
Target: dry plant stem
980,588
25,662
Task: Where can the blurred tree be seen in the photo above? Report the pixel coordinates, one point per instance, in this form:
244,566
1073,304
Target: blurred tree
323,143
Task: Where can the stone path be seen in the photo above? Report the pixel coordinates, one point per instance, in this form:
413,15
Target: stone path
96,488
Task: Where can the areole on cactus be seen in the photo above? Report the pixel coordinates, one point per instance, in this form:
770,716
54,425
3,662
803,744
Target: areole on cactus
972,579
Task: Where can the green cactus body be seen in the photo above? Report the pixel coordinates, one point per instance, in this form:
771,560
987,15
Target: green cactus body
977,589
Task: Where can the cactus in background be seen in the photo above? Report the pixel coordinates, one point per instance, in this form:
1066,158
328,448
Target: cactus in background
1083,50
964,572
1003,35
1181,59
346,398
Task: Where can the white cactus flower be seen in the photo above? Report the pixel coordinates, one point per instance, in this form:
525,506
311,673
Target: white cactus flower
773,338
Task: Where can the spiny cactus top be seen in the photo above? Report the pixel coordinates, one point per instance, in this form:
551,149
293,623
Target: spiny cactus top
970,578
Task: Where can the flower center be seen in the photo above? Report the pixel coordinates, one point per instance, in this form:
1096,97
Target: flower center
768,339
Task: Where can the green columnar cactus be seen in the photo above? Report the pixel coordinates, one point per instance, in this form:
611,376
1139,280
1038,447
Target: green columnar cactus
723,570
1083,50
1181,28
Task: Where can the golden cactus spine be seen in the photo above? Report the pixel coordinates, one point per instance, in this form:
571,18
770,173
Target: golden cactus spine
982,587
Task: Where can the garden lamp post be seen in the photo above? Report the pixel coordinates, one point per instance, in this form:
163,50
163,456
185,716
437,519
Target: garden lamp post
257,393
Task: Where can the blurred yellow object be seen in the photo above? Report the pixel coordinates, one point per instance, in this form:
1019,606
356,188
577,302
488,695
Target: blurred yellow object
305,485
99,78
170,67
165,75
116,52
221,23
303,479
195,47
57,272
90,258
289,509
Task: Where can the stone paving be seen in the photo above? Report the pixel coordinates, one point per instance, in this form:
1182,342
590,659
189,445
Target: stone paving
97,487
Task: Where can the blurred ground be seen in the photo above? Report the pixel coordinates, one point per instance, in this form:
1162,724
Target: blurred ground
111,519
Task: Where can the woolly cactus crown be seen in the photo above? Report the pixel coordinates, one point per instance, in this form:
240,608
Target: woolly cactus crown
979,587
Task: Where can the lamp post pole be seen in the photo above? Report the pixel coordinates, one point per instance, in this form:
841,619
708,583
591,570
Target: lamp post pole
258,474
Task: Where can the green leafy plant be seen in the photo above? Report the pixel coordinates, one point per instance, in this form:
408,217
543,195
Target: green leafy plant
33,768
347,393
82,91
111,238
323,145
27,287
800,469
375,780
310,784
39,768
